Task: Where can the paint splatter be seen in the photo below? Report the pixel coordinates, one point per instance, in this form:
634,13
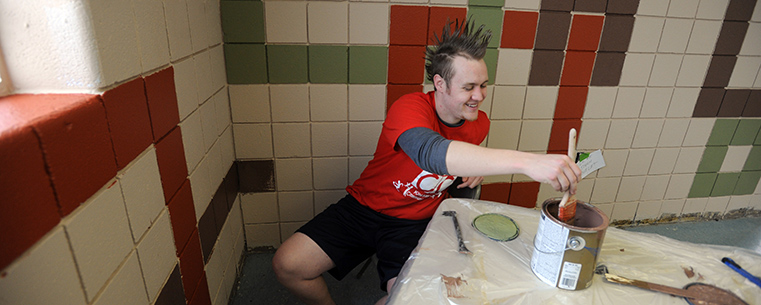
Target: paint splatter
689,272
454,285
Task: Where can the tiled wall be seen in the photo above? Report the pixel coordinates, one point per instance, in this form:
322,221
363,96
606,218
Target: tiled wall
129,196
668,90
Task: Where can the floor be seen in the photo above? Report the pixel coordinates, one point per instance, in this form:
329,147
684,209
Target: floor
257,283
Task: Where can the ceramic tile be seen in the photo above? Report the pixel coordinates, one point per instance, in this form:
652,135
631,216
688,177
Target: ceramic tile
545,67
200,182
242,21
288,228
688,160
186,87
756,14
363,137
192,138
624,211
616,33
542,105
209,124
497,192
118,59
747,183
201,296
328,64
648,132
552,30
752,43
676,34
607,68
595,6
605,190
682,8
694,206
491,18
524,194
508,102
206,228
712,9
665,70
652,7
702,185
708,102
557,5
638,162
535,135
679,186
731,37
172,292
577,68
356,166
256,176
177,28
328,22
504,134
664,161
713,157
703,36
745,71
290,173
523,4
368,64
648,210
739,10
725,184
365,102
287,64
323,199
559,134
683,102
753,108
693,70
202,63
198,24
600,102
368,23
286,21
672,207
191,265
491,60
258,235
249,103
330,173
735,158
722,131
253,141
153,45
621,134
698,131
438,18
513,67
326,102
746,132
585,32
519,29
646,34
636,70
407,27
157,255
290,103
738,202
593,135
674,131
629,102
126,287
259,207
630,189
162,102
329,139
171,159
143,196
733,103
615,161
291,140
571,102
182,215
245,64
406,65
656,102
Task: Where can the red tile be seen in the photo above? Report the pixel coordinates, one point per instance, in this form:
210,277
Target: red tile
559,135
571,102
128,120
191,266
170,155
394,92
409,25
524,194
497,192
182,213
577,69
162,102
202,296
29,208
406,65
585,32
439,17
519,29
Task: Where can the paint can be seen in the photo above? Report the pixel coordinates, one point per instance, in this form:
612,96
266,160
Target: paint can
565,255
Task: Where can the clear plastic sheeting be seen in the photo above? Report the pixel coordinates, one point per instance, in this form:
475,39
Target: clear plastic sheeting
500,272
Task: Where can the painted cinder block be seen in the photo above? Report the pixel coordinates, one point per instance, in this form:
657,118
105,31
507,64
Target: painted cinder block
407,25
191,265
143,195
183,216
128,120
171,157
162,102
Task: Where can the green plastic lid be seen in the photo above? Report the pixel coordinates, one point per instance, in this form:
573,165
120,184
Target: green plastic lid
496,226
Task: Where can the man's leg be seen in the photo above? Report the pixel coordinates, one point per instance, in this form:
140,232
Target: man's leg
384,299
299,264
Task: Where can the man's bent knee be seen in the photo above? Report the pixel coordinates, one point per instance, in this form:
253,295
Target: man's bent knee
300,258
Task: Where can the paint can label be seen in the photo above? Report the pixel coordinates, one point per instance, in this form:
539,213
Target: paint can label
549,247
570,275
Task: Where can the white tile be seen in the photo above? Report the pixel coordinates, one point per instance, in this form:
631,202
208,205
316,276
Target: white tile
363,137
208,124
746,69
683,102
198,24
683,8
648,132
213,23
116,39
717,204
703,37
639,162
535,135
295,206
593,134
712,9
48,267
735,158
605,190
508,102
693,70
665,70
688,160
672,207
200,187
739,202
202,62
624,211
323,199
652,7
513,67
541,103
648,210
143,194
260,235
218,68
663,161
290,103
291,140
655,188
621,133
185,87
615,161
290,174
636,69
630,189
286,21
698,131
600,102
330,173
676,35
356,166
253,141
330,139
177,28
192,140
679,186
656,102
259,207
222,110
328,22
157,255
126,287
100,237
329,102
504,134
227,148
646,33
250,103
288,228
368,23
151,34
366,102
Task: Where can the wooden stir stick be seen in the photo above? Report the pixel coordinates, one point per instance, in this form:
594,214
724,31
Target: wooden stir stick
567,209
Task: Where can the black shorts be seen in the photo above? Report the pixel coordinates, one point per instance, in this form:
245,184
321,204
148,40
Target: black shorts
350,232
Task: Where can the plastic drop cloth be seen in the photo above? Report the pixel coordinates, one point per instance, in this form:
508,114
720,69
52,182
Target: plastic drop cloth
500,272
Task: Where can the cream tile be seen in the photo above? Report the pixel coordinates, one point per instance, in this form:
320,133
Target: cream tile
583,189
717,204
290,103
366,103
593,134
262,235
683,8
448,2
328,102
636,69
648,210
535,135
143,195
328,22
192,139
615,161
217,170
672,207
683,102
100,238
356,166
126,287
504,134
547,192
368,23
621,133
541,102
197,21
665,70
177,29
48,267
286,21
739,202
745,71
250,103
652,7
209,124
646,33
624,211
600,102
639,162
218,68
486,103
629,102
693,70
330,173
293,174
253,141
630,189
202,62
756,14
118,59
676,34
363,137
523,4
295,206
222,109
200,186
656,102
185,87
323,199
605,190
259,207
156,253
648,132
663,161
712,9
508,102
698,131
213,26
688,160
227,148
153,44
288,228
513,67
291,140
655,188
755,200
606,208
679,186
330,139
735,158
215,272
703,37
752,42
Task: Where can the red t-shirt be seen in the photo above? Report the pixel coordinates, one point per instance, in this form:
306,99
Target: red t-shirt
392,183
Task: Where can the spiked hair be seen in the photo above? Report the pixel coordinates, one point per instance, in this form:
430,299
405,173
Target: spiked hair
463,40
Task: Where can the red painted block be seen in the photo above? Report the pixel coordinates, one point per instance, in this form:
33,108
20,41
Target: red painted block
585,32
409,25
406,65
128,120
524,194
162,102
394,92
438,20
191,265
559,135
202,296
170,155
497,192
519,30
182,214
577,69
571,102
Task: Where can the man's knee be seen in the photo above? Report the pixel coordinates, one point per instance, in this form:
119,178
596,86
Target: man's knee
299,257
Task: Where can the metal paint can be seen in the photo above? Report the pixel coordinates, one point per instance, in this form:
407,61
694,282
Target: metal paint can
565,255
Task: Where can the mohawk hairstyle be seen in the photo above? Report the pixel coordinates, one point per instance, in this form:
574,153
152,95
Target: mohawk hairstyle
460,41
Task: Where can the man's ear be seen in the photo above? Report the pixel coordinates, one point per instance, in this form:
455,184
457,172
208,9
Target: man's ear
439,83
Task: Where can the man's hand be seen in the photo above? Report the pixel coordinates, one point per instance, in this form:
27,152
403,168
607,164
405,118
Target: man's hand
470,182
557,170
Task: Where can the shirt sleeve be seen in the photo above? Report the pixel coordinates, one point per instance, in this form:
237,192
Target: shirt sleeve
427,148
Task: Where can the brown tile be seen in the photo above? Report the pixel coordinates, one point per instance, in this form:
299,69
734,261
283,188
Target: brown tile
740,10
497,192
708,102
231,185
545,68
753,107
617,33
172,292
607,70
731,38
191,265
524,194
557,5
552,31
256,176
219,203
628,7
733,103
207,232
719,71
593,6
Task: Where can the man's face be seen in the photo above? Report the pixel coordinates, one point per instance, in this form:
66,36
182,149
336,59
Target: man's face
466,90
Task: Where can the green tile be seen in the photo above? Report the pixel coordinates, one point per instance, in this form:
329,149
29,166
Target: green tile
246,63
712,159
497,3
725,184
753,163
287,64
702,185
746,132
328,64
491,63
492,18
722,132
368,64
242,21
747,183
758,139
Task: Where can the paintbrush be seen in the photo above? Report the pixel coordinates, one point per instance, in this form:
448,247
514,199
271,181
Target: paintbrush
567,208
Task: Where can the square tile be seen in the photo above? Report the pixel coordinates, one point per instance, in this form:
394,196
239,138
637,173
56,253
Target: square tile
288,228
676,34
245,63
673,133
162,102
752,42
672,207
182,215
636,70
328,102
698,131
683,102
519,29
739,11
693,70
259,207
607,68
363,137
694,206
648,210
291,140
178,29
646,33
296,206
118,58
682,8
328,22
191,265
652,7
408,25
638,162
585,32
256,176
708,102
535,135
157,255
679,186
605,190
559,135
291,172
206,232
262,235
143,196
557,5
745,71
600,102
368,64
497,192
594,135
621,134
186,87
366,102
733,103
253,141
703,37
688,160
722,131
656,102
209,124
330,139
753,107
249,103
615,161
616,33
171,159
664,161
712,9
739,202
725,184
595,6
286,21
577,69
552,30
491,18
524,194
330,173
746,132
545,69
368,23
523,4
702,185
504,134
630,189
242,21
287,64
513,67
328,64
629,102
713,158
622,7
747,182
290,103
192,139
543,100
200,182
720,71
665,70
571,102
438,20
406,64
508,102
648,133
735,158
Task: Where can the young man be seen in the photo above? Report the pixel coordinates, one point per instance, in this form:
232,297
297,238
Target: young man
427,140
